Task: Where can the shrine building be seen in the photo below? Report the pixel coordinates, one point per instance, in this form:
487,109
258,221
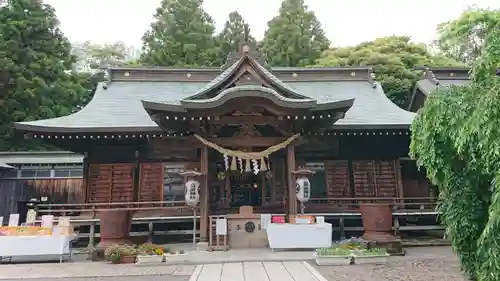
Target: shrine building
246,127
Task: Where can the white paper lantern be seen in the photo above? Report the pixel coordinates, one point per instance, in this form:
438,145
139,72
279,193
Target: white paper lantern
192,195
303,189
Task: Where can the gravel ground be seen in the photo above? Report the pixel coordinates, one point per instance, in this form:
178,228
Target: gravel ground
420,264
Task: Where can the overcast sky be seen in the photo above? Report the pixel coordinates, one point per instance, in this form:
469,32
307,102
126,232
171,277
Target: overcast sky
345,22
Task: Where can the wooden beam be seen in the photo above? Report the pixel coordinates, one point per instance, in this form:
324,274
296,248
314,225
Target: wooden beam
246,119
247,141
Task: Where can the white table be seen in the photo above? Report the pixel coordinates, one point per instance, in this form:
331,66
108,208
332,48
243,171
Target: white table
299,236
13,246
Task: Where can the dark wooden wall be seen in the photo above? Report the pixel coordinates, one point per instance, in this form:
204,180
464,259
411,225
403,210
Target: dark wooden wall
57,190
362,166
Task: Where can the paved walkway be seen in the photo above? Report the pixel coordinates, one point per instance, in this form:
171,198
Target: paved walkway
257,271
420,264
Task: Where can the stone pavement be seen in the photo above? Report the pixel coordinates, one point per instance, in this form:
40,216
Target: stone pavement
420,264
117,278
257,271
89,269
427,263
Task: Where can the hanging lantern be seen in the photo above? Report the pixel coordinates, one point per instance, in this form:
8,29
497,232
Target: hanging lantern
303,189
192,192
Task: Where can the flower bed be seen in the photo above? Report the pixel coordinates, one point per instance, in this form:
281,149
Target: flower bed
150,253
366,256
175,256
351,251
333,256
120,254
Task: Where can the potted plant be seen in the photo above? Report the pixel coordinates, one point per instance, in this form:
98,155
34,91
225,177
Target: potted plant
374,255
177,255
333,256
149,253
120,254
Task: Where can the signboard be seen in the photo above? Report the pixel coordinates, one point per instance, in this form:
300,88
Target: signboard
63,221
221,227
14,220
48,221
265,219
320,219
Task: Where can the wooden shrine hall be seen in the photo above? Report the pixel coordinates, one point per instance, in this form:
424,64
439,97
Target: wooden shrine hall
246,127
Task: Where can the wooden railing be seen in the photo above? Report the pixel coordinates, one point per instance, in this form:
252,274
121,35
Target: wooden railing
340,209
404,203
92,209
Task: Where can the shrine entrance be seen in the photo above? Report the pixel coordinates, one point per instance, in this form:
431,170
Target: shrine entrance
245,189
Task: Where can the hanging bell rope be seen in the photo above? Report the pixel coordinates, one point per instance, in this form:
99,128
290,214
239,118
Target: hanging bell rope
247,155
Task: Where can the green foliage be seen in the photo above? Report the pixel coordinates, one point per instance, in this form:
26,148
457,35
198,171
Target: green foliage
101,56
463,38
34,63
232,36
294,37
393,59
456,137
181,35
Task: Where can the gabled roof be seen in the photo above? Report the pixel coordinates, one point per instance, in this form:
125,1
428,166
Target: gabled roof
228,74
118,106
432,79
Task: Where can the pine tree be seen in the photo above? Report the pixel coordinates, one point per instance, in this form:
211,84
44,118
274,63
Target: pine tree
233,35
294,37
35,59
181,35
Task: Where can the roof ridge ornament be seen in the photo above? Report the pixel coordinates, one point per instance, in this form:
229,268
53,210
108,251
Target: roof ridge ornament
246,49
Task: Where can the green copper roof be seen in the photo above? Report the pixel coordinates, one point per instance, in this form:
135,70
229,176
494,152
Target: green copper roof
118,108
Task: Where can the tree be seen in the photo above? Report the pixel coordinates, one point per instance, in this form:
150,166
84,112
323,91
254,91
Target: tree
34,62
393,59
456,137
294,37
101,55
463,38
181,35
233,35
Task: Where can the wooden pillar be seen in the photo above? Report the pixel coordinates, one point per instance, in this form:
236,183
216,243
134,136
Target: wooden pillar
399,182
292,196
204,194
86,178
227,195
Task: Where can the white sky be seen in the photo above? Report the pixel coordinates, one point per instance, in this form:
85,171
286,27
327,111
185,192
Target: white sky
346,22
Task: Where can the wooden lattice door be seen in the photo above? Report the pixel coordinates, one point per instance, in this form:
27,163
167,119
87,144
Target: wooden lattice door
111,183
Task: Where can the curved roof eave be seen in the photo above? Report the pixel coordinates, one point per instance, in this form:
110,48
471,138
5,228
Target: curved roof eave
75,130
162,106
250,91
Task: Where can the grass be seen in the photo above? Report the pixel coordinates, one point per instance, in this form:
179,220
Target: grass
371,252
335,251
342,251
